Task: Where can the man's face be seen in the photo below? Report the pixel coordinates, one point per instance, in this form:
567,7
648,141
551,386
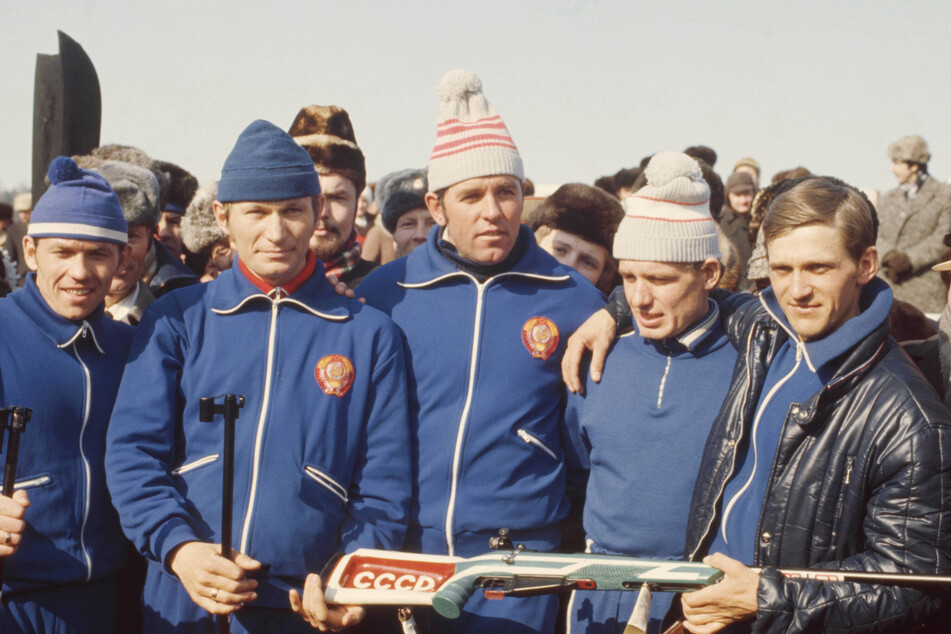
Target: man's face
741,200
169,232
271,237
25,216
411,230
125,279
585,257
904,172
816,281
335,222
481,216
667,297
73,275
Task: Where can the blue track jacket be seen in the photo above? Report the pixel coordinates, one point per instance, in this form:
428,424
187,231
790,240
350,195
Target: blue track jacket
486,395
315,472
68,373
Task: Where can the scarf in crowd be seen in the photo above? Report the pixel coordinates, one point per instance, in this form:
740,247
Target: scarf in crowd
347,259
481,272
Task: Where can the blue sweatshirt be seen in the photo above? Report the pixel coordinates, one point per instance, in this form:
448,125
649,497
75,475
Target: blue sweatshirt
321,445
68,373
486,395
799,370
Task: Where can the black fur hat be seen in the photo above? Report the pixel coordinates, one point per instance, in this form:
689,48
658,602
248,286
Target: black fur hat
181,187
586,211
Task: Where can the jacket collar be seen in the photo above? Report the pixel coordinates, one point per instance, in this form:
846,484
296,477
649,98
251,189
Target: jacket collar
426,265
232,291
876,301
61,331
696,337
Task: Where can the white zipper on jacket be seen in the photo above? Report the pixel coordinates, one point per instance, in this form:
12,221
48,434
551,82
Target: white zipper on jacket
460,433
532,440
756,421
32,482
259,433
663,380
87,378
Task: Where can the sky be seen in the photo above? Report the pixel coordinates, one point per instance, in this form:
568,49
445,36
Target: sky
585,87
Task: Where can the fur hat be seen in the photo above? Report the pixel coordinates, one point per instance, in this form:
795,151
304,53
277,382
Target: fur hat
408,180
127,154
703,153
137,189
910,149
669,219
740,180
181,187
588,212
747,161
397,204
23,202
327,135
199,229
79,204
471,138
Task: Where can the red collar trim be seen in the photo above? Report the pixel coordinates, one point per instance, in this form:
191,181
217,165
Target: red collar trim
291,287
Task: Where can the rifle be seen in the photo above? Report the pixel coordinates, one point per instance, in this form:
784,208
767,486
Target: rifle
380,577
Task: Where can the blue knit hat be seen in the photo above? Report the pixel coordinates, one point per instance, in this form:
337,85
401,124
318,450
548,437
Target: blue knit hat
80,205
267,164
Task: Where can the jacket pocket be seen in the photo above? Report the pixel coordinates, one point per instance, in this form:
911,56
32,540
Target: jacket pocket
195,464
327,482
33,482
846,479
535,442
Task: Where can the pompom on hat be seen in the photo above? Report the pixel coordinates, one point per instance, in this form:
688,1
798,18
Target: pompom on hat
471,138
78,205
266,164
669,219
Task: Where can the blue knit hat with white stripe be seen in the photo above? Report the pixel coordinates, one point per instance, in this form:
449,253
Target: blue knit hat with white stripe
267,164
80,205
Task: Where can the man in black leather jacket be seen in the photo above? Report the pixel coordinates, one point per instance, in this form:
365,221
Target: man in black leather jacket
830,450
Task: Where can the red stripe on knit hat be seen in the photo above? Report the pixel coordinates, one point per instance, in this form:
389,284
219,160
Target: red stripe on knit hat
672,202
483,120
470,147
500,139
462,129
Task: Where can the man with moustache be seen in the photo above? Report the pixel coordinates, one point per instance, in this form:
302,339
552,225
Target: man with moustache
321,460
63,358
483,310
327,135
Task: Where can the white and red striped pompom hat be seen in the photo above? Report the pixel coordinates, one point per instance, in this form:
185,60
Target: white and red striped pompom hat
668,220
471,138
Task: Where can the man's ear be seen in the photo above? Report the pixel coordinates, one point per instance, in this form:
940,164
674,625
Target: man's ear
124,254
712,272
435,208
868,265
29,252
221,216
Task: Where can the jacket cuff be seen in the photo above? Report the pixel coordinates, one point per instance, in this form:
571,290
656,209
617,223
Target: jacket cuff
772,613
170,536
620,310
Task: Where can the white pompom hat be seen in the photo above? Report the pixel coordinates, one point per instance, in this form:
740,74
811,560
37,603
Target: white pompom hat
471,138
669,219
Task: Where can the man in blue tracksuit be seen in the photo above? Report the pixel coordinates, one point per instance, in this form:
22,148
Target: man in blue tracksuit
643,426
322,443
484,312
63,358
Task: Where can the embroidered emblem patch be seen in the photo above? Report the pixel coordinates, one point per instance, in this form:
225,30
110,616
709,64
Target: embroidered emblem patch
540,336
334,374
